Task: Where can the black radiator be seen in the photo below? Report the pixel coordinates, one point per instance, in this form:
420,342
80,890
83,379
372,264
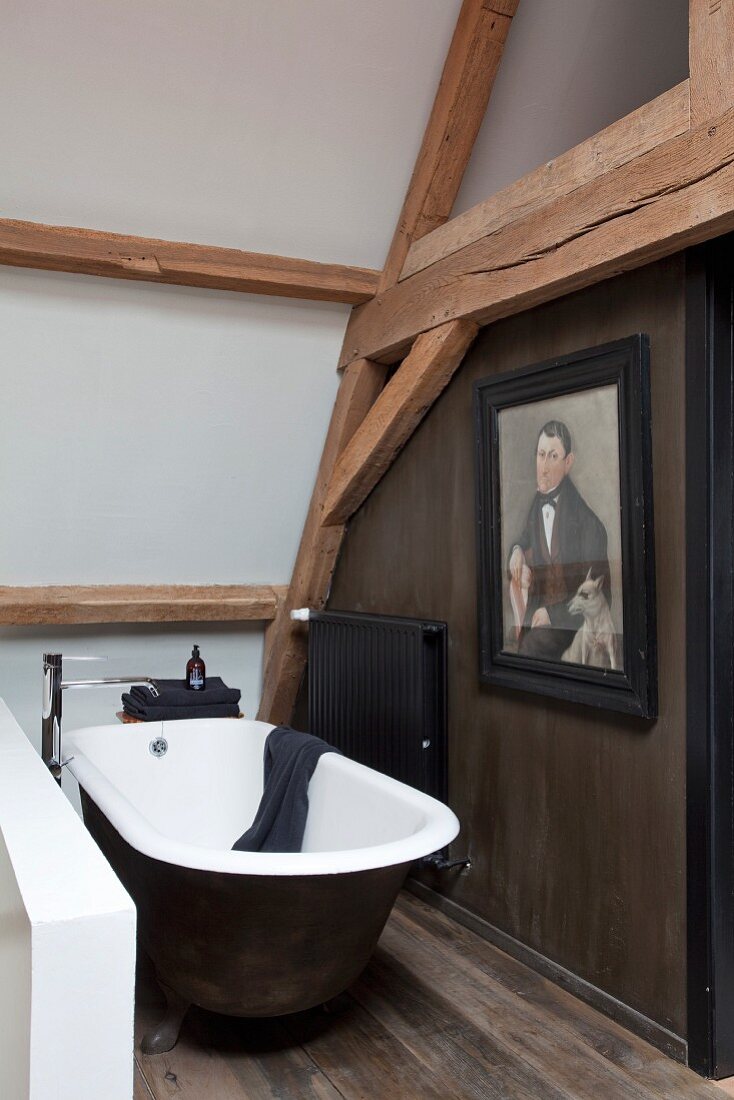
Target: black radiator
377,691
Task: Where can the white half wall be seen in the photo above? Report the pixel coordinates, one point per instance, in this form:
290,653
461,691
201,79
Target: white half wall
15,987
67,943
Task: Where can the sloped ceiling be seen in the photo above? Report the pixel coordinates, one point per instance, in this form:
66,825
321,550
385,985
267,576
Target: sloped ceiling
292,126
185,426
284,126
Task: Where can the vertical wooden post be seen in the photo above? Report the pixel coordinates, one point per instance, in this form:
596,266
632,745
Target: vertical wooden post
461,100
468,76
286,644
711,58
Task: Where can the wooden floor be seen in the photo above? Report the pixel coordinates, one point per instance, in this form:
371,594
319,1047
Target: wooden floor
439,1014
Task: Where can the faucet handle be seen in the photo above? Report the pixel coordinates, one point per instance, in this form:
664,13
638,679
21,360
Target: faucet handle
86,658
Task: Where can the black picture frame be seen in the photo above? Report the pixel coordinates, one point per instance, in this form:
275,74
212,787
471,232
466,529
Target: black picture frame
625,364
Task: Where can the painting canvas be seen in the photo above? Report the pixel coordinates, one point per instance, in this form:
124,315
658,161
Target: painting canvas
565,528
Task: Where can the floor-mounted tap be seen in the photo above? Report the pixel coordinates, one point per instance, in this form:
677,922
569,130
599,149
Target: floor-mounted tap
53,686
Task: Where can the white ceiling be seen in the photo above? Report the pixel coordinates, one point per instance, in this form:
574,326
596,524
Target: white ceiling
291,126
284,126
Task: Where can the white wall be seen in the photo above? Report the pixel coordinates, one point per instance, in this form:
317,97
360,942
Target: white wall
284,126
162,434
570,68
153,434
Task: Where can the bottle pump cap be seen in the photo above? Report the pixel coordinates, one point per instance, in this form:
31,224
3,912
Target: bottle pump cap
195,651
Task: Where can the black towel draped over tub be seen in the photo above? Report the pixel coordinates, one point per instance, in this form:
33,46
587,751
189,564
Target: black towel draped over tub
289,761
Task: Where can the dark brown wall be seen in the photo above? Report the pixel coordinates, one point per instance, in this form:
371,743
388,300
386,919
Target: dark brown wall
574,818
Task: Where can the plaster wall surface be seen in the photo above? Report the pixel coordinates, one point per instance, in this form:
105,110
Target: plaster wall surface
569,69
155,434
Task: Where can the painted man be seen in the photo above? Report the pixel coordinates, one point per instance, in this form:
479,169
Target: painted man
562,539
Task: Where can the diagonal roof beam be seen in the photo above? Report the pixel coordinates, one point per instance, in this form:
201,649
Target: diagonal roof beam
466,84
395,415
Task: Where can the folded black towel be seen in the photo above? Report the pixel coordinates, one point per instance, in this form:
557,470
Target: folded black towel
288,764
174,693
171,714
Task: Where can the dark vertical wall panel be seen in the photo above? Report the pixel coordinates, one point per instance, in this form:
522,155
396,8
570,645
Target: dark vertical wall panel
574,818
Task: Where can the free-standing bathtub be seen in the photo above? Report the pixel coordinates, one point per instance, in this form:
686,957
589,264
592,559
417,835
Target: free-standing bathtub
246,933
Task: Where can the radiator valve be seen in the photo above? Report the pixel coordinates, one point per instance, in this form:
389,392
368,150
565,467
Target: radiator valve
437,862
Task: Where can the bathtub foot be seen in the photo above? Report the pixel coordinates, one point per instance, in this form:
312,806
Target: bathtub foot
164,1036
337,1005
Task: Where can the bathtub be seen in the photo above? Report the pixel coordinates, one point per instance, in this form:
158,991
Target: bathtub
246,933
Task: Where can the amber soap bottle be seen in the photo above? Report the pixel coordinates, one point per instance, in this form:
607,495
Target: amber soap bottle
195,671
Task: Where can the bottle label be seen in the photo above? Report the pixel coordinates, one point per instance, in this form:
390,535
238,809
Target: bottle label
196,680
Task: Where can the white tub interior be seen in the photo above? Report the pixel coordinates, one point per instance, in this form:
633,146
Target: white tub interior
204,792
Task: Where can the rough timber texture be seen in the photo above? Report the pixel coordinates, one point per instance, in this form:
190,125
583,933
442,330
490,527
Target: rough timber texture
459,106
393,418
89,252
660,120
461,101
286,643
574,817
123,603
711,58
678,194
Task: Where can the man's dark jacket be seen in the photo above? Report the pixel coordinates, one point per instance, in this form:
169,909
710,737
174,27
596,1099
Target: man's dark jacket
579,544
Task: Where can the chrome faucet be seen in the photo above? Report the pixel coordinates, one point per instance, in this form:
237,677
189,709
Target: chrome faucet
53,686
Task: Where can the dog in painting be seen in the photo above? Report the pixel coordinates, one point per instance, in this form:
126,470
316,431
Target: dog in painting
595,643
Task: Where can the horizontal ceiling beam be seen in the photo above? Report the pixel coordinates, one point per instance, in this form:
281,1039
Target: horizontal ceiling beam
658,121
676,195
126,603
395,415
117,256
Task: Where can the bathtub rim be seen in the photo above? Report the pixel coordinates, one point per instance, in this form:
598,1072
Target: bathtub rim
440,824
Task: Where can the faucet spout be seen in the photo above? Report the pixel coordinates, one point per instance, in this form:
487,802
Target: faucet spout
110,680
53,686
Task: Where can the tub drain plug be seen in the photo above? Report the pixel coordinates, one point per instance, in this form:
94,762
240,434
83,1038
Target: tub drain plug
158,746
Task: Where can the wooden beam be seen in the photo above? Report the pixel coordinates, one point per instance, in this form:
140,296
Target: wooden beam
676,195
286,645
710,58
63,605
116,256
473,58
395,415
656,122
466,84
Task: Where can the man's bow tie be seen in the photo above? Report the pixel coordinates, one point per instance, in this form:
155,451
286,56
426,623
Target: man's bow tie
548,498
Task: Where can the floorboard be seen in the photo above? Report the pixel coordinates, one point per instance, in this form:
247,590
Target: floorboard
439,1013
140,1086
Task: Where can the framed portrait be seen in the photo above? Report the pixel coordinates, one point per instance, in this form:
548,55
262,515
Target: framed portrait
565,528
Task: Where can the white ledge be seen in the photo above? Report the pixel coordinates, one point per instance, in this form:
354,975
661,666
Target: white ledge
66,1008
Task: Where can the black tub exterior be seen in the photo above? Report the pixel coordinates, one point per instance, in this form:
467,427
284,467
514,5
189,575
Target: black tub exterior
250,945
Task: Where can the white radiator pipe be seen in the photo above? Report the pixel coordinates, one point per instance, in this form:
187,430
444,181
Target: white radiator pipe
301,614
